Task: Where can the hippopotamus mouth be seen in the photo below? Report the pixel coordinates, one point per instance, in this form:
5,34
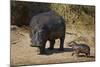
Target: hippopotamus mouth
35,44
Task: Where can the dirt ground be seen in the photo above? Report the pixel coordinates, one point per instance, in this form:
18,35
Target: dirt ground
23,54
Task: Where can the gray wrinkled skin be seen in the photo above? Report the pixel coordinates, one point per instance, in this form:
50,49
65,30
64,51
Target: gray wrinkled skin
80,48
47,26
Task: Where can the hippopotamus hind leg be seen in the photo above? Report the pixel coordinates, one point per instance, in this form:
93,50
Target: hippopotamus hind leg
62,43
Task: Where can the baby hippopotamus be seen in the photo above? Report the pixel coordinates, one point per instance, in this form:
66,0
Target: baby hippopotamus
79,48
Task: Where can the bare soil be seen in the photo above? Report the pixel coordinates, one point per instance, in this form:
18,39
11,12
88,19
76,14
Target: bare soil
23,54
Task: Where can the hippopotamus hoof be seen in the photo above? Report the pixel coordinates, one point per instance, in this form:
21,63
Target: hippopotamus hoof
43,53
50,48
61,49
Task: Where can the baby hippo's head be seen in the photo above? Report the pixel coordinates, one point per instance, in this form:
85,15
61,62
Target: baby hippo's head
72,43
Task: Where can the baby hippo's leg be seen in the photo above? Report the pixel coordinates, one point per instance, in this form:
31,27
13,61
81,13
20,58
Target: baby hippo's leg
72,53
77,53
87,54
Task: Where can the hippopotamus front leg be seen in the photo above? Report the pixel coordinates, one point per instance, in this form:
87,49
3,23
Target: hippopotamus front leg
42,49
52,42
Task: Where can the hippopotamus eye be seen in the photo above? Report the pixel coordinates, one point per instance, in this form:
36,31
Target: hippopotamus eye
40,31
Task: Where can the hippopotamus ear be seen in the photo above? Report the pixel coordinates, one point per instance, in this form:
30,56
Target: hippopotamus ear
69,44
72,43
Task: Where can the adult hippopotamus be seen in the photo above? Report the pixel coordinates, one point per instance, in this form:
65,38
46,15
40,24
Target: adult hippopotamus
47,26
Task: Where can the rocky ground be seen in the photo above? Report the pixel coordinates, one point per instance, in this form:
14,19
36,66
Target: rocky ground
23,54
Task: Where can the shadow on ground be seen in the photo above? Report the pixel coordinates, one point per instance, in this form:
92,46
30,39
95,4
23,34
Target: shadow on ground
56,50
87,56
